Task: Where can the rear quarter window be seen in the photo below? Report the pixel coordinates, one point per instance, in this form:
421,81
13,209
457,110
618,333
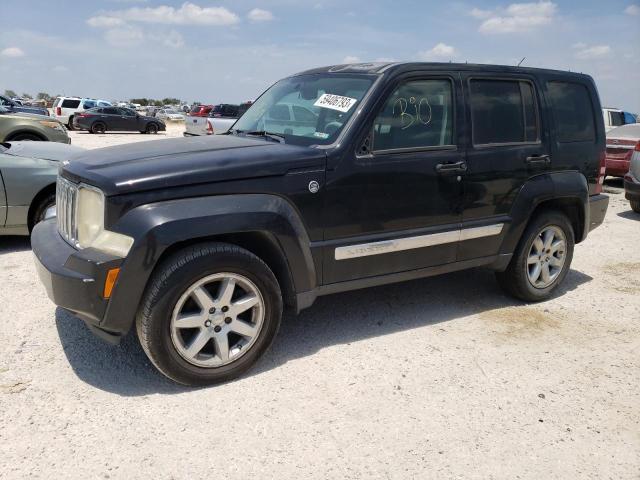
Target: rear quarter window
573,112
70,103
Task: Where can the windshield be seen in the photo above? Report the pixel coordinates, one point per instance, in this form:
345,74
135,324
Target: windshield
306,109
172,112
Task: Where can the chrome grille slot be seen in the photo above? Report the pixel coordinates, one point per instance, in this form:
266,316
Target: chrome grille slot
66,203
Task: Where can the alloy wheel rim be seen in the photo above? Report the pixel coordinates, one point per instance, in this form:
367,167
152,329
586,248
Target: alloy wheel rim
547,257
217,320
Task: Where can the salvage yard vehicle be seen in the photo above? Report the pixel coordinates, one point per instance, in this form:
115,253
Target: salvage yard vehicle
170,114
28,172
16,127
218,121
411,170
65,109
632,180
621,143
116,119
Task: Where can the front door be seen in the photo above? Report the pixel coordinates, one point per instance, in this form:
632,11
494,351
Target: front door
396,206
507,146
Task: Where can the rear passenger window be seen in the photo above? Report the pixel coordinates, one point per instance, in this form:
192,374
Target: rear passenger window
70,103
503,111
418,114
88,104
573,112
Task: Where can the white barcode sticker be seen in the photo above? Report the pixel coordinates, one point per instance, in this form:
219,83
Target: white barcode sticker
335,102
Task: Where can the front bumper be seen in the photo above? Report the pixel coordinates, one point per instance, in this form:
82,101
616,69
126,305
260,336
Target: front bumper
631,188
598,205
74,279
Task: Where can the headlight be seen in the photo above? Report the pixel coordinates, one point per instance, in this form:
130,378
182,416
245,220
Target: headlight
52,124
90,225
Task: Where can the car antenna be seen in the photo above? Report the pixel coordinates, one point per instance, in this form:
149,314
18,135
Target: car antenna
520,62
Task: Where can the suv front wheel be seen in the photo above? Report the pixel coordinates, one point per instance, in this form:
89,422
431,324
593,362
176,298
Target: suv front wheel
541,260
209,313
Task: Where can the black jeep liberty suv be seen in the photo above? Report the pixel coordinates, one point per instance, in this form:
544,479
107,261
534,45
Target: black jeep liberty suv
335,179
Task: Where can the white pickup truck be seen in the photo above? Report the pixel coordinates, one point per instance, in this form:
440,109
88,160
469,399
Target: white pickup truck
219,120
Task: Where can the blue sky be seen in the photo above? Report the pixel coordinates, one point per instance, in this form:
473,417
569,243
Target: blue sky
224,51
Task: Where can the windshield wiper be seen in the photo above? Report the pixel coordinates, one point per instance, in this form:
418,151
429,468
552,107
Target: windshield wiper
263,133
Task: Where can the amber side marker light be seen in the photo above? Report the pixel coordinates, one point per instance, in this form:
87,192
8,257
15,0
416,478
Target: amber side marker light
112,276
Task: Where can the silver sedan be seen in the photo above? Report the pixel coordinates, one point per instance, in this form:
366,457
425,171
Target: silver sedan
28,172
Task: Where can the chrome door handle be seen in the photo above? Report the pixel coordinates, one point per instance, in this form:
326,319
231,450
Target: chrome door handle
538,160
451,167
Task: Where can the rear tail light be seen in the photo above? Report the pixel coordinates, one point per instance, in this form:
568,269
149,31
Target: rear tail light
637,149
59,111
602,168
209,128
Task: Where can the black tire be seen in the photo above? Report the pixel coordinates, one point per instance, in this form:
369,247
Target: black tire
26,137
98,128
152,129
514,280
41,208
635,205
70,123
172,278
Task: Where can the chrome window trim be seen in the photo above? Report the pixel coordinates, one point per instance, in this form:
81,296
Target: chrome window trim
420,241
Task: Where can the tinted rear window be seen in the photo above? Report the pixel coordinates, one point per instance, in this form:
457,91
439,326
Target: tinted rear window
573,112
503,111
70,103
87,104
617,118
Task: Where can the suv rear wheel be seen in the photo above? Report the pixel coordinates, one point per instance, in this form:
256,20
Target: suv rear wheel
635,205
209,313
541,260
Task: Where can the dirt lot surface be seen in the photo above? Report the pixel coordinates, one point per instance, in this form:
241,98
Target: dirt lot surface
438,378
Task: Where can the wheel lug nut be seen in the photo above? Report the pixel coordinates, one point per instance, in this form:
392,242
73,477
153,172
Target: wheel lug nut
217,329
207,323
212,310
224,309
227,320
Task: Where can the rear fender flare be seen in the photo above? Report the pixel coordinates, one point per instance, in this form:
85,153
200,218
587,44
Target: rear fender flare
551,189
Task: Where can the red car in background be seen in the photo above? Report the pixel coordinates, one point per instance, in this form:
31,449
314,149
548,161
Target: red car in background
200,111
621,143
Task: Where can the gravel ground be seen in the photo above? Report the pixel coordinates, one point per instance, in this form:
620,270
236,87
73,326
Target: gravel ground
436,378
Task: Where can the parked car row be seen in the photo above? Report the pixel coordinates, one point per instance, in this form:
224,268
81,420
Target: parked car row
13,106
218,119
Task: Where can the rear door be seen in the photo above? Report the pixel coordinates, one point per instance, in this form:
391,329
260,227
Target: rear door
111,117
507,146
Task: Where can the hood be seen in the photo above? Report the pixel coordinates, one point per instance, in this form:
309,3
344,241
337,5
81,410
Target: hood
177,162
54,151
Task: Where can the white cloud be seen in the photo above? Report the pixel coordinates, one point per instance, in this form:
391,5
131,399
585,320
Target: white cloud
516,17
481,14
585,52
632,10
124,37
187,14
351,59
259,15
102,21
441,51
13,52
172,39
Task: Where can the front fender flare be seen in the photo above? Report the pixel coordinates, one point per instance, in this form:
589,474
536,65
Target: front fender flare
158,226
